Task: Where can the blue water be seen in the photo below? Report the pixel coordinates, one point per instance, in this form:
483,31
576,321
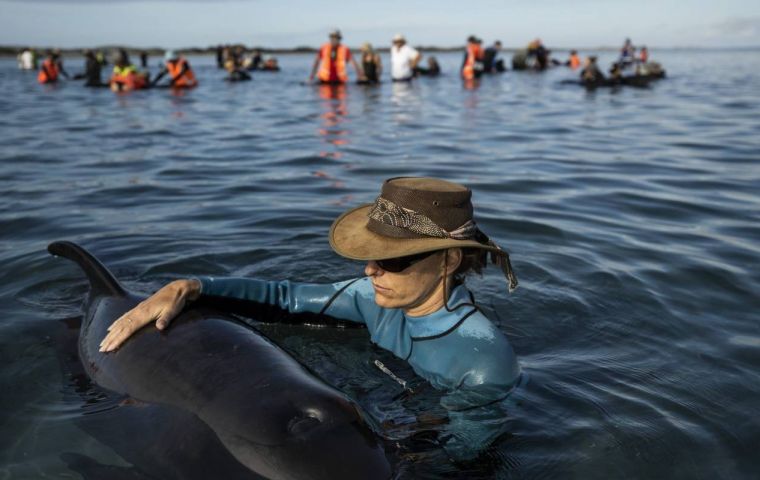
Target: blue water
632,217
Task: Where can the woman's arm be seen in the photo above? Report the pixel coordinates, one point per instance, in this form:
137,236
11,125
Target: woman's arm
163,306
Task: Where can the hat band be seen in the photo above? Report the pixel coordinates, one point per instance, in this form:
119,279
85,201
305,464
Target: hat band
388,219
388,213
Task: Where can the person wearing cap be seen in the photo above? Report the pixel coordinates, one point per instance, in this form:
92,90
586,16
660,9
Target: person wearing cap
331,61
472,66
419,240
404,60
179,70
372,66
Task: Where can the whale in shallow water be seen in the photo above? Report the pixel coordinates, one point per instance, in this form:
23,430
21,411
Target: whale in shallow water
267,410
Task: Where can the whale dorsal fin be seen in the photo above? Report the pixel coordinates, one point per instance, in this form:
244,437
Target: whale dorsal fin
102,282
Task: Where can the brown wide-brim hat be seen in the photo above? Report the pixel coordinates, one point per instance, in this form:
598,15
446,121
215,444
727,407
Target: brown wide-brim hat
350,238
413,215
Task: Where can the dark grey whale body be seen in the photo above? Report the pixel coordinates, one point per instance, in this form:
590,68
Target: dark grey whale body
266,409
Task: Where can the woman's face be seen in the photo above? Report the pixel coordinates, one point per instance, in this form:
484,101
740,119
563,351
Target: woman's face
415,286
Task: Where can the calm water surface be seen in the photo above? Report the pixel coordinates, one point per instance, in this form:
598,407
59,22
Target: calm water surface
632,216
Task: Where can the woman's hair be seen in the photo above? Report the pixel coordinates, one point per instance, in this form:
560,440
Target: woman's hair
474,260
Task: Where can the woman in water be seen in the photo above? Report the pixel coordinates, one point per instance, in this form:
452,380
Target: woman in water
371,64
419,241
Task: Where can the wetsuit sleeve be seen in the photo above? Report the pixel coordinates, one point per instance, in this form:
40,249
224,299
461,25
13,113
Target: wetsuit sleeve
339,300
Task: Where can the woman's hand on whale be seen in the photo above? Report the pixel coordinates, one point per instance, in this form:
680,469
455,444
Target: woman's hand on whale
161,307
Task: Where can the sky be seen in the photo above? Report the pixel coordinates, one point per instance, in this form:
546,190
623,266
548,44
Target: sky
284,23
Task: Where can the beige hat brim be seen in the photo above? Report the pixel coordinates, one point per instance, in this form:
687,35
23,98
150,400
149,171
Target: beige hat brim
350,238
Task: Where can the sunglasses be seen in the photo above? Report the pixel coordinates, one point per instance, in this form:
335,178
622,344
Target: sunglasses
399,264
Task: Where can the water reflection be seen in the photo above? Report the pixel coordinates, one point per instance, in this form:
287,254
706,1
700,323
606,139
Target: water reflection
471,83
405,98
334,114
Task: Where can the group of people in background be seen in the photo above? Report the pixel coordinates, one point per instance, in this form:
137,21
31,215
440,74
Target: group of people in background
591,74
333,58
125,75
331,65
238,63
643,69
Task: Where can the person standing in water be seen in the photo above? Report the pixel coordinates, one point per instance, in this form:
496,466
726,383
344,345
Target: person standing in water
574,60
27,60
472,66
419,241
52,68
372,66
491,60
331,62
125,76
627,52
92,70
179,70
404,60
644,55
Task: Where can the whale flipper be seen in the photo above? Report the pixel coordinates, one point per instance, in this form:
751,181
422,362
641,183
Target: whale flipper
102,282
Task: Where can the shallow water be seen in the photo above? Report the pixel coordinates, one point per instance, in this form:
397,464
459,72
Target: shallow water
632,217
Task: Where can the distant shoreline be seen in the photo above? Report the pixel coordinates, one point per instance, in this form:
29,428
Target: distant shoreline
13,50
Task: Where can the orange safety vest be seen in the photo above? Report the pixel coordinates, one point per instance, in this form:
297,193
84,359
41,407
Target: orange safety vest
333,72
127,78
49,72
474,55
187,80
575,62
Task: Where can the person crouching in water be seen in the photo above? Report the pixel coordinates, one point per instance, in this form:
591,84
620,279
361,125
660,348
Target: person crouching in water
591,75
331,62
179,70
52,68
270,65
235,71
125,76
433,69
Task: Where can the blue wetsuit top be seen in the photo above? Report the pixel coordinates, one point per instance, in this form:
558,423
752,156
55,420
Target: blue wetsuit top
459,351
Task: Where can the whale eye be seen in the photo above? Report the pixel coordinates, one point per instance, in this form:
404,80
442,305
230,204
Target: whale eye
300,425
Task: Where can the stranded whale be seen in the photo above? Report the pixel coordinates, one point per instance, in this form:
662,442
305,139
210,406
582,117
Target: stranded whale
266,409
